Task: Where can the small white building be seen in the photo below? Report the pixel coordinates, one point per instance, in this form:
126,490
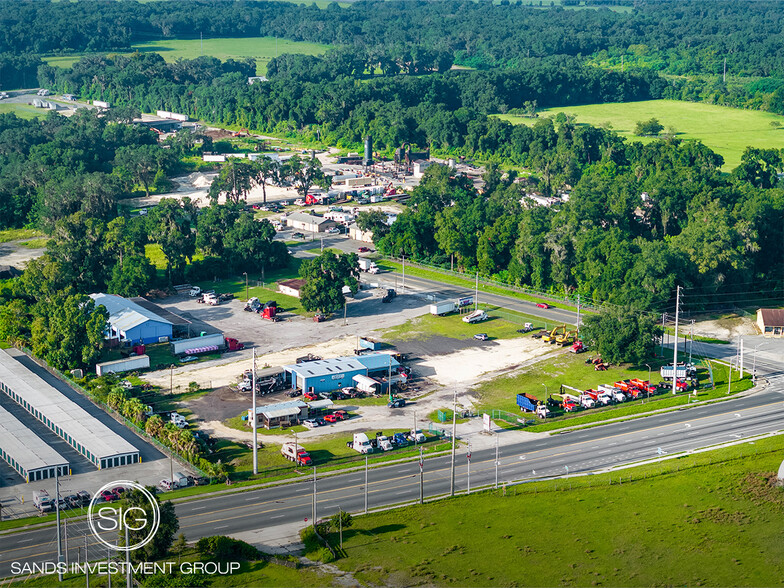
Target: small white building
359,235
291,287
340,217
309,222
419,167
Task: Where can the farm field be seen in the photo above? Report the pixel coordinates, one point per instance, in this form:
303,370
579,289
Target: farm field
262,49
703,520
727,131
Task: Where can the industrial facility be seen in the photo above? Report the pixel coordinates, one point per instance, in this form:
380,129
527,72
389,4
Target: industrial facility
26,452
131,323
327,375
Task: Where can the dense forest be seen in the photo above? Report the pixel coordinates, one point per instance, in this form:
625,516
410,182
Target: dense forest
673,36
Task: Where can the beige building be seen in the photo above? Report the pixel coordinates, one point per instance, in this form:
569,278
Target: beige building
301,221
291,287
770,321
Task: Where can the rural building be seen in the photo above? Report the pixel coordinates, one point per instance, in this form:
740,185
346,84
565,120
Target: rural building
83,432
771,321
359,235
27,453
282,414
309,222
291,287
342,217
352,181
130,323
419,167
327,375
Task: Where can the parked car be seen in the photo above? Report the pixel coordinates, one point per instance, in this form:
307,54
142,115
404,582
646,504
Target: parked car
397,403
84,497
333,230
298,236
310,424
62,504
108,496
321,422
319,318
364,249
310,396
543,305
165,484
73,501
481,337
118,491
331,418
299,202
341,414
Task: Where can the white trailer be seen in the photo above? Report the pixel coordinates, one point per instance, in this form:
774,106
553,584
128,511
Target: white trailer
367,265
100,104
198,344
475,317
135,362
444,307
681,372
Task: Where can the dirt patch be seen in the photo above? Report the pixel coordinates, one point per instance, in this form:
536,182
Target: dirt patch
221,404
721,516
726,328
762,488
435,345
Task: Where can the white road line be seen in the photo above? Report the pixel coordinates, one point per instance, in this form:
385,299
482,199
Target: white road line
199,508
277,517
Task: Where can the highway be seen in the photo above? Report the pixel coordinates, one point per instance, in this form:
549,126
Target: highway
571,453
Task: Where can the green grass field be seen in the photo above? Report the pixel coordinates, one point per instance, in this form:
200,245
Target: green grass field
7,235
702,520
262,49
23,110
727,131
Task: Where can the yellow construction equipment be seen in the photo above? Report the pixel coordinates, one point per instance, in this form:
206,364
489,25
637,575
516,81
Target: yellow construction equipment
559,330
567,338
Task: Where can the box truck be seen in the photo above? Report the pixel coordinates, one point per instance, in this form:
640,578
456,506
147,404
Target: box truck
441,308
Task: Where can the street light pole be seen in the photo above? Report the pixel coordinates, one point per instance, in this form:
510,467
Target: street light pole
255,418
468,477
366,483
246,284
454,429
754,363
649,380
171,379
496,460
546,391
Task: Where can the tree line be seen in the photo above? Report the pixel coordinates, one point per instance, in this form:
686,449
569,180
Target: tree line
639,220
677,36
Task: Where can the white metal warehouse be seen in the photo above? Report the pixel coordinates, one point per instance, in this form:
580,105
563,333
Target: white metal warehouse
26,452
89,436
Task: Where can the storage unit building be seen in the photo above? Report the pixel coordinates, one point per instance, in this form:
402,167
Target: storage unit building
309,222
131,323
90,437
26,452
327,375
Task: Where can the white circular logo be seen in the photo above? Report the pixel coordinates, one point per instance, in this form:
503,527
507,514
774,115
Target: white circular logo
103,518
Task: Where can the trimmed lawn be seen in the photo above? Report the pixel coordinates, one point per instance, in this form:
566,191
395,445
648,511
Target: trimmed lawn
452,326
710,519
23,110
35,243
727,131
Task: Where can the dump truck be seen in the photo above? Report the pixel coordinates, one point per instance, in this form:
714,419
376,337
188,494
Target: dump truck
441,308
616,393
531,404
296,453
371,344
682,371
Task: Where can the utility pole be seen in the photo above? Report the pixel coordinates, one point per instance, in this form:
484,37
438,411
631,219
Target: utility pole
740,371
403,287
57,511
468,477
256,420
65,541
664,318
578,312
421,476
496,460
454,429
128,578
675,346
314,496
691,339
729,381
340,522
86,568
366,483
476,293
108,575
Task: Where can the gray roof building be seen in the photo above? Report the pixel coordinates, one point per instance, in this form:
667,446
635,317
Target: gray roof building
26,452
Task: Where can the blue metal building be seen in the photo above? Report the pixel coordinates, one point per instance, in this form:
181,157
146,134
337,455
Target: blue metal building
327,375
131,323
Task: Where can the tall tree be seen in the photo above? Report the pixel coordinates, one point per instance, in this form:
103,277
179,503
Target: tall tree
622,334
305,173
326,275
170,227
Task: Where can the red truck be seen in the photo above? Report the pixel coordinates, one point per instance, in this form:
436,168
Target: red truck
234,345
645,386
628,388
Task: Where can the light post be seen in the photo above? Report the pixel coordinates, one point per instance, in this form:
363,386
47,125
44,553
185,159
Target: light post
246,284
547,393
649,380
454,428
754,363
171,379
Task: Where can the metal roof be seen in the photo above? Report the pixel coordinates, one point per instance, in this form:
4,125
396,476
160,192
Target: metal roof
25,447
339,365
307,218
290,407
320,404
772,317
125,314
72,419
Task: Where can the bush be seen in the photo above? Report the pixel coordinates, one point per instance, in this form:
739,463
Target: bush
225,548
